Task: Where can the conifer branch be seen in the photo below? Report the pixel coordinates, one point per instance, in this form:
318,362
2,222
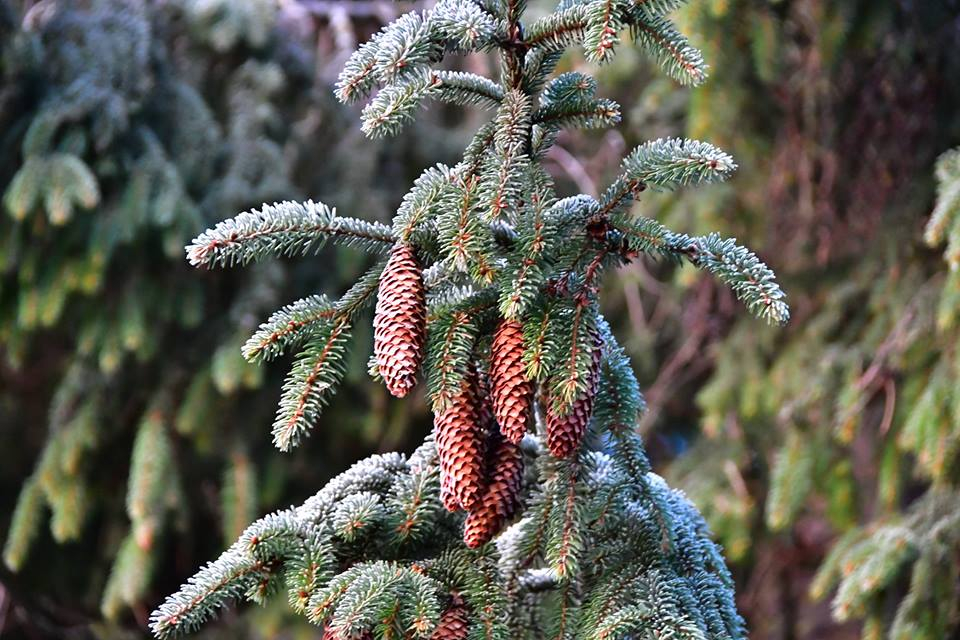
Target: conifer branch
585,114
460,87
358,77
320,365
421,203
500,192
465,23
288,327
404,49
449,347
944,223
285,228
667,163
670,48
558,31
658,7
752,281
604,22
394,106
538,65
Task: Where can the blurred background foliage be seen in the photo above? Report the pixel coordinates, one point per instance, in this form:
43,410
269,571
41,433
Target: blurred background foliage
824,455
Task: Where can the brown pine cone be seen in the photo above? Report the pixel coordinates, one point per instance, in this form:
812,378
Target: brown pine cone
501,498
453,622
512,392
565,432
399,324
460,447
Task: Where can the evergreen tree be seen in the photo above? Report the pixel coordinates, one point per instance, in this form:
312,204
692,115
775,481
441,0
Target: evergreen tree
531,510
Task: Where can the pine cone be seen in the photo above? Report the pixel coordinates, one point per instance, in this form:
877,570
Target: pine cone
512,392
501,498
399,324
460,447
565,432
453,621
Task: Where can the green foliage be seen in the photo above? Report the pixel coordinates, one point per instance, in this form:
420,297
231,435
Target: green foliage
601,547
286,228
615,539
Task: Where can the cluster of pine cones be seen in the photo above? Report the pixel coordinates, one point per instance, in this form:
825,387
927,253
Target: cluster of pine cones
478,433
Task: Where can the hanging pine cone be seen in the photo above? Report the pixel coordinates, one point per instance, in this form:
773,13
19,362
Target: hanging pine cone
501,497
453,621
512,392
565,432
460,447
399,324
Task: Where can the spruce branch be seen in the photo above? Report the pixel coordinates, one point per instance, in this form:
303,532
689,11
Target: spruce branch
285,228
502,177
309,385
404,48
468,239
944,223
228,578
558,31
568,86
538,65
288,328
642,235
585,114
358,77
320,365
466,23
394,106
421,203
604,23
669,47
25,524
667,163
449,347
59,181
462,88
658,7
527,268
741,270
